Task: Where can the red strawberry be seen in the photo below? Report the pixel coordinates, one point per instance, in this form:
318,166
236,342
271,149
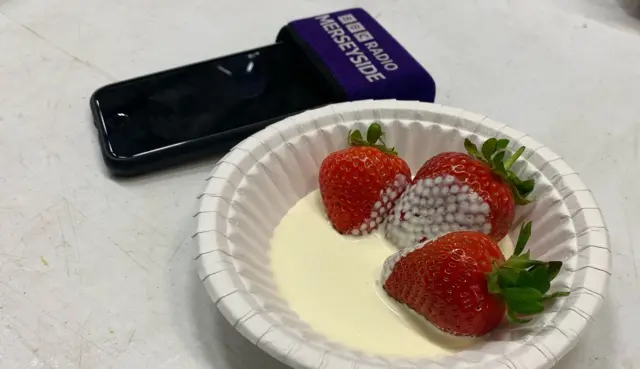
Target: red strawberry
461,283
360,184
456,191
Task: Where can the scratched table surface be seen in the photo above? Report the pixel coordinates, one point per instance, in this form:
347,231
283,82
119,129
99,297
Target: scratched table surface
98,273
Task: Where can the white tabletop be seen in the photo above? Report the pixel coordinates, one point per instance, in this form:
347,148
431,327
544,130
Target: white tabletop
99,273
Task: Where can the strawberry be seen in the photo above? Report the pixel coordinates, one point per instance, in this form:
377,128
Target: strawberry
461,283
460,191
360,184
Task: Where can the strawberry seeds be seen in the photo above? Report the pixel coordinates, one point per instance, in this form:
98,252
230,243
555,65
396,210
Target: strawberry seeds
434,206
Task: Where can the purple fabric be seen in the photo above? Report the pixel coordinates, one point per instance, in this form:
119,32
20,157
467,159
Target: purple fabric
364,58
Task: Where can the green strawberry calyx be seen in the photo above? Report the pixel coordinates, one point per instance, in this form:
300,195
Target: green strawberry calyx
373,139
493,153
522,283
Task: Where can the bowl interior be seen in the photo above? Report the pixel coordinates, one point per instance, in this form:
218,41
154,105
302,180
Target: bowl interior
253,187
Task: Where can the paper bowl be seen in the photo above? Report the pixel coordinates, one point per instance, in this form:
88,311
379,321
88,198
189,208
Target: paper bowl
254,185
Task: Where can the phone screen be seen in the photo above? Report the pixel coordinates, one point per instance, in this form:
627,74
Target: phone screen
173,107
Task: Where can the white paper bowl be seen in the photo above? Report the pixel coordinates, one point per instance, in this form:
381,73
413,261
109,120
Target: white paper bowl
253,187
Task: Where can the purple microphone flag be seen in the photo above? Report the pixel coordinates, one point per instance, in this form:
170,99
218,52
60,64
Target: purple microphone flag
363,58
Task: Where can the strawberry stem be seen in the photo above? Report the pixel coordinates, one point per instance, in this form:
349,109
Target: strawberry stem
493,152
374,135
523,283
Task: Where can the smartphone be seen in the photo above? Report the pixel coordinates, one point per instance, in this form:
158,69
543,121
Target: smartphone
166,118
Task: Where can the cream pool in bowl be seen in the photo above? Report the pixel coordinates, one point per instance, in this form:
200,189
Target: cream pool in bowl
311,298
333,283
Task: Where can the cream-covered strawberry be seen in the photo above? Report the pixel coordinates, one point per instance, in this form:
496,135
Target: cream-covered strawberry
460,191
361,184
463,285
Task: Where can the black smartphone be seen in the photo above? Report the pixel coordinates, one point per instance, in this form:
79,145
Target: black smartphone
166,118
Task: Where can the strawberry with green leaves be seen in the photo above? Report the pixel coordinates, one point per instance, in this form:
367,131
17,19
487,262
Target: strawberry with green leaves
359,185
462,284
455,191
